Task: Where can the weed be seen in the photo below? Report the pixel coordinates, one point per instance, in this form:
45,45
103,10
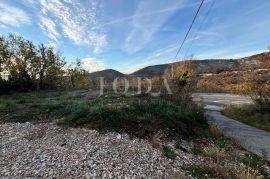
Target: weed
142,117
199,172
196,150
215,132
7,105
168,152
215,153
256,163
251,115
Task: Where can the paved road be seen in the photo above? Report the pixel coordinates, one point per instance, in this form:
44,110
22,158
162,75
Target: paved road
250,138
216,101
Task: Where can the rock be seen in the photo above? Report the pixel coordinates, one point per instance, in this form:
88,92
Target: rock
80,153
118,136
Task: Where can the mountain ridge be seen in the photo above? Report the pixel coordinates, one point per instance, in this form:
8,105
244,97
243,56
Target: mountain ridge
200,66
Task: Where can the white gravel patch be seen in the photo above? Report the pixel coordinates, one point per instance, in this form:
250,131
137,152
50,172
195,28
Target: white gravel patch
49,151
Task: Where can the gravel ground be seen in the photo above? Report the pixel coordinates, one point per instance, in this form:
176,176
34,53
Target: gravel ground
49,151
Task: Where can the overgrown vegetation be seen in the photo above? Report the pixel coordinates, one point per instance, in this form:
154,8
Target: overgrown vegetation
224,159
25,66
200,172
249,114
248,79
257,163
258,113
141,115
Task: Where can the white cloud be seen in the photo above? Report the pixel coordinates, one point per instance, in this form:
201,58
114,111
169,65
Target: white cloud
48,26
77,21
93,64
13,16
144,27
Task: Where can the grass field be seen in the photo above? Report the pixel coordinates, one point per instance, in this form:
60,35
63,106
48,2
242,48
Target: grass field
140,115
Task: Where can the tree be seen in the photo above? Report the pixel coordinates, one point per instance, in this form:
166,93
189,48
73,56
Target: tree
78,76
29,66
19,62
49,67
4,56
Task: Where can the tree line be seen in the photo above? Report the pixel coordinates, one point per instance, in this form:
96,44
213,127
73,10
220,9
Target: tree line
25,66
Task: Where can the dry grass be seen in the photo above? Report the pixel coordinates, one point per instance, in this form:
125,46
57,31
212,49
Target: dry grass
219,163
215,132
221,158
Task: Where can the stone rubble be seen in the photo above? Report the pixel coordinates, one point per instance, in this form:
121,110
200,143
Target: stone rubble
49,151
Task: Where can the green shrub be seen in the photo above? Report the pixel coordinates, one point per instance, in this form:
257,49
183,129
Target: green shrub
141,116
200,172
7,105
168,152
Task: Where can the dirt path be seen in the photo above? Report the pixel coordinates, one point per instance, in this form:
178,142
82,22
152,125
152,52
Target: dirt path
250,138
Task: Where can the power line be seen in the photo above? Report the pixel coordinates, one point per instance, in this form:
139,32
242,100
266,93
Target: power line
190,27
196,35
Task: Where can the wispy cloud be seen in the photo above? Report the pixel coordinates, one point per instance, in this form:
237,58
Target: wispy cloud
92,64
13,16
77,21
48,26
142,15
145,27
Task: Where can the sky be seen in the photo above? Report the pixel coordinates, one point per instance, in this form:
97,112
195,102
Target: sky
127,35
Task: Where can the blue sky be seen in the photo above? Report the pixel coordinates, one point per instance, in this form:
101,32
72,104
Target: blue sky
127,35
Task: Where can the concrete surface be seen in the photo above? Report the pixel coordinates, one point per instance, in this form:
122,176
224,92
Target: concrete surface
250,138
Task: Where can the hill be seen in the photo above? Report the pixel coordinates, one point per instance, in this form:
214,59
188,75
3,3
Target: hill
212,75
109,75
207,66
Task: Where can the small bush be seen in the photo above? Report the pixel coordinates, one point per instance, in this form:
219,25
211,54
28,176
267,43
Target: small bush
168,152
